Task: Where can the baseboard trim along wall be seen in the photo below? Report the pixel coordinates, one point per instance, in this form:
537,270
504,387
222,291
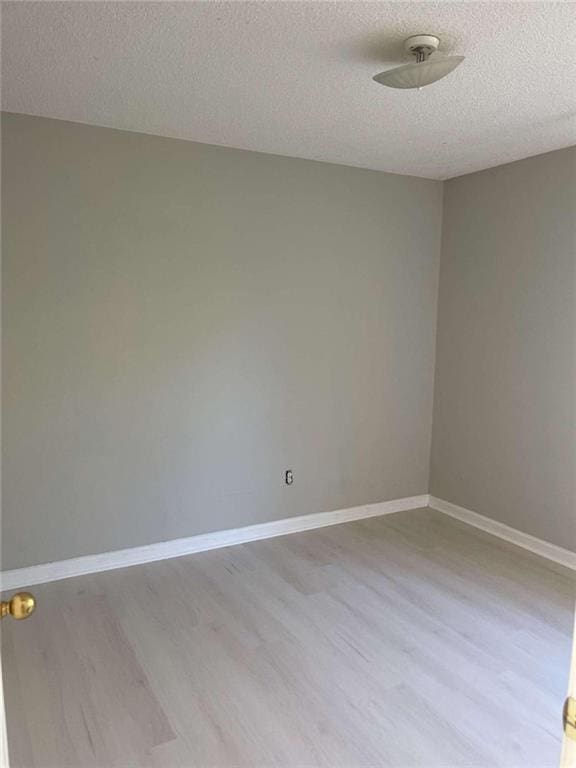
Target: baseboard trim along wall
164,550
525,540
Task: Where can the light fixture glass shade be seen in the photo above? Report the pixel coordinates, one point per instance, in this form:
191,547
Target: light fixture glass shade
420,73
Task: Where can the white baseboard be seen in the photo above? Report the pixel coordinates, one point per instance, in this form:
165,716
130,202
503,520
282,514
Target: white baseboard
121,558
538,546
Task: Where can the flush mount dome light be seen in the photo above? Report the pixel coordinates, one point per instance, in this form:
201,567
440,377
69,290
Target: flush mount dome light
425,70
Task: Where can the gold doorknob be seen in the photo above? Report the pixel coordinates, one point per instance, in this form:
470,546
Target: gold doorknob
569,717
21,606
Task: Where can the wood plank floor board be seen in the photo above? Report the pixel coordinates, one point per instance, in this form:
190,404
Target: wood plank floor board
403,641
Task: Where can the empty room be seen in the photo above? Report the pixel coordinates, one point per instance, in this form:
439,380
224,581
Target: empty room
288,384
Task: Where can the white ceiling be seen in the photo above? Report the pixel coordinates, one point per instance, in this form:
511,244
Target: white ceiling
295,78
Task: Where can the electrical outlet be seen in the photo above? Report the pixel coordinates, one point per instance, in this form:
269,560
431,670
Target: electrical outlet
289,477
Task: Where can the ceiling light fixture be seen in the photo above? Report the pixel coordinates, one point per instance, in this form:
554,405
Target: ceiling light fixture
425,70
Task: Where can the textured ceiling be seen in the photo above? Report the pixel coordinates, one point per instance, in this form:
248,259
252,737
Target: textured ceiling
295,78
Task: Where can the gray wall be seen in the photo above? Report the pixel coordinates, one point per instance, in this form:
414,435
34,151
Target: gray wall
504,439
183,322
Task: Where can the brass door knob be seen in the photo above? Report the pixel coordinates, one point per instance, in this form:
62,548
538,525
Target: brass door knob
569,717
21,606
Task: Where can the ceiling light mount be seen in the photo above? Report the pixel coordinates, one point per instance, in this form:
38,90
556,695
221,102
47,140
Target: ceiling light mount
421,46
425,70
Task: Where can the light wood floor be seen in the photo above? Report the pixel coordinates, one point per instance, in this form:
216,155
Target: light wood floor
407,640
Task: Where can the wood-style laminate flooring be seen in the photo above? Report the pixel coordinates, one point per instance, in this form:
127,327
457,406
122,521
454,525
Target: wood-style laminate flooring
405,640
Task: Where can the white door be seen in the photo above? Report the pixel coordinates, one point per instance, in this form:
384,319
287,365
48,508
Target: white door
569,745
21,606
3,737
